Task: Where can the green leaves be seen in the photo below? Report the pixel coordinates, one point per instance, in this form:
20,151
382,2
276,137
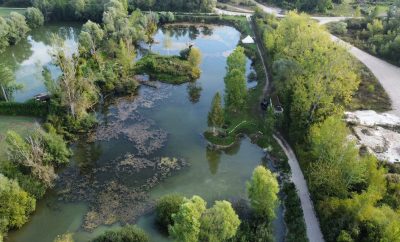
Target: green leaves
15,205
235,80
263,191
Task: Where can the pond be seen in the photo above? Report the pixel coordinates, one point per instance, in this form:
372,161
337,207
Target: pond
146,146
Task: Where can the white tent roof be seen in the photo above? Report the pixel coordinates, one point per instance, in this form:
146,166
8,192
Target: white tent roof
248,40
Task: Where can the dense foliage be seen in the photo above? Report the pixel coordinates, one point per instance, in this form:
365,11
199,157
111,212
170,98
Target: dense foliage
304,5
235,80
93,9
314,76
128,233
216,114
263,191
167,206
13,28
194,222
176,5
39,153
379,36
15,205
351,191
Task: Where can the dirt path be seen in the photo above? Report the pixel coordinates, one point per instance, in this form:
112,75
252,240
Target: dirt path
314,233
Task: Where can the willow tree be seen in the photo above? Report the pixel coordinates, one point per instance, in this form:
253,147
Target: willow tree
3,34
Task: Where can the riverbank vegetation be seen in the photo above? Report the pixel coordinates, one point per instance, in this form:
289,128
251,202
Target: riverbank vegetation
349,188
377,34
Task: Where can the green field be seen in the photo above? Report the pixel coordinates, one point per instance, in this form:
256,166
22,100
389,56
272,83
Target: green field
6,11
21,125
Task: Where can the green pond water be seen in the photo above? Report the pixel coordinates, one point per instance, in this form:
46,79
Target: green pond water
104,182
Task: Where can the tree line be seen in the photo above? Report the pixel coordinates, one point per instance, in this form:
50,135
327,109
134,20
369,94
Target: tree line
304,5
355,196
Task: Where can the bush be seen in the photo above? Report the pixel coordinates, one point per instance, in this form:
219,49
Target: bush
166,206
128,233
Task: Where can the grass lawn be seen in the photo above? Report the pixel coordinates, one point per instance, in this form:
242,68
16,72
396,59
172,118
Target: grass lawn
21,125
6,11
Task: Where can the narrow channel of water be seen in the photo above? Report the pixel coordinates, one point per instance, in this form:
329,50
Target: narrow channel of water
99,178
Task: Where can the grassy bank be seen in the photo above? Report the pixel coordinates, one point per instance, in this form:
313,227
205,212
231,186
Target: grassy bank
4,11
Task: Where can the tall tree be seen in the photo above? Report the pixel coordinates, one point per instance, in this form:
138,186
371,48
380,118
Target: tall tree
216,114
75,88
263,191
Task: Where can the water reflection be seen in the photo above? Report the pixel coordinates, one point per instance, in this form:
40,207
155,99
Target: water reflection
213,158
31,54
194,92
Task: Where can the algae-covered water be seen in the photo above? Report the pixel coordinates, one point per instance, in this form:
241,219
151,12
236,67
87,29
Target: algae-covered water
145,146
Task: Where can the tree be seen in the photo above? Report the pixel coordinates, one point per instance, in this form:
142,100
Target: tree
167,206
90,37
237,60
3,34
186,223
17,27
336,157
128,233
34,18
263,191
219,223
7,83
15,205
235,90
270,122
194,57
75,88
38,153
320,77
45,6
216,114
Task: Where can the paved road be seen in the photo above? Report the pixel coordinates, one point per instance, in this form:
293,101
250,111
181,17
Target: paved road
314,233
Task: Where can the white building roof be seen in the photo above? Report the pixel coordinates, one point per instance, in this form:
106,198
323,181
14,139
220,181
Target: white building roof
248,40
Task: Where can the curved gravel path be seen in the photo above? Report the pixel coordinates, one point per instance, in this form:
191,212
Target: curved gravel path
313,229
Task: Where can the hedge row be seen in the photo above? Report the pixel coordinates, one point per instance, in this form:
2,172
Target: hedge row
29,108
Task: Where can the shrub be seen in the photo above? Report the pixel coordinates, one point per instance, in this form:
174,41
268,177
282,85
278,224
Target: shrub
166,207
128,233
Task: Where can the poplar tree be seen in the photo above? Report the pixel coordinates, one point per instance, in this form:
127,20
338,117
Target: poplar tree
216,114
